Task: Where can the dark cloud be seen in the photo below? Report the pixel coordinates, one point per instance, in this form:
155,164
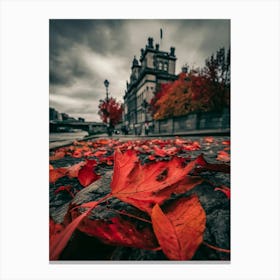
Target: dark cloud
83,53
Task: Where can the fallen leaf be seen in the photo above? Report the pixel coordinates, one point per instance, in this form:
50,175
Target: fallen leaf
179,229
120,231
54,229
57,155
73,170
191,147
141,185
223,156
57,173
159,152
59,241
86,174
100,153
224,189
203,165
209,139
64,188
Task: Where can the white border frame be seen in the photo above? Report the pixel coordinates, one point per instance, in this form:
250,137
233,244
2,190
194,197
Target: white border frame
255,138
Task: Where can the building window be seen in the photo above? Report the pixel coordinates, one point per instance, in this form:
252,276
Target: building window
160,65
165,67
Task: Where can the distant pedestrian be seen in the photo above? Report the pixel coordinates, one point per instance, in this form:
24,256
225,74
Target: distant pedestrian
147,127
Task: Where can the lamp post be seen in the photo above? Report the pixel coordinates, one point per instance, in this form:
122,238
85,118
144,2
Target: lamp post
106,83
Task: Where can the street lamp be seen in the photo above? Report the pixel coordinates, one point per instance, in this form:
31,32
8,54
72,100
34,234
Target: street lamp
106,83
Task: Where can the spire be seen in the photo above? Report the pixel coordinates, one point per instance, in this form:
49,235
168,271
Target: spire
135,62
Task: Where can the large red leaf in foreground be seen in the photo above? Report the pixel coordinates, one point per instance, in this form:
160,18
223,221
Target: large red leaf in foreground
180,229
59,241
120,232
143,186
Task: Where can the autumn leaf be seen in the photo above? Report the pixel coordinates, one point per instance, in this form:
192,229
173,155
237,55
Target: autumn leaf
59,241
226,142
54,229
145,185
203,165
73,170
58,155
64,188
209,139
223,156
159,152
224,189
191,147
118,231
86,174
57,173
100,153
179,229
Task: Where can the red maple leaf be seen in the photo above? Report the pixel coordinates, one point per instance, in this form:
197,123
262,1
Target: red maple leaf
120,231
86,174
179,229
145,185
60,240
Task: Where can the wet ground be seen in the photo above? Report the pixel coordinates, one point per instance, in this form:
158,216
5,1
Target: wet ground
215,203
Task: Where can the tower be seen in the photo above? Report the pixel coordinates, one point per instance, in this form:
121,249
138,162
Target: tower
153,68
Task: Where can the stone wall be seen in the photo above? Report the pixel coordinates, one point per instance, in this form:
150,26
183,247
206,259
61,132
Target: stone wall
192,122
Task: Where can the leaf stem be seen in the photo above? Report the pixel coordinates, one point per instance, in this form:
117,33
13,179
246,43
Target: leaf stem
216,248
132,216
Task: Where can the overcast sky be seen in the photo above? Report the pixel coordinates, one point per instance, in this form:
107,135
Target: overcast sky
83,53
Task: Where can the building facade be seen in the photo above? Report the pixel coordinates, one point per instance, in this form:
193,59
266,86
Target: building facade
153,68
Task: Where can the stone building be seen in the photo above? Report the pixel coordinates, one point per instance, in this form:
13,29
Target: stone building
153,68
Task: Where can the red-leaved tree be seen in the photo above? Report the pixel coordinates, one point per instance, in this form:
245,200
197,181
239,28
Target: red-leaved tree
203,90
110,111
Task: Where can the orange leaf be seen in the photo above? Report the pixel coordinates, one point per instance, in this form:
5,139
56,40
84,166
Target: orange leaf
57,173
209,139
58,155
99,153
180,230
73,170
223,156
